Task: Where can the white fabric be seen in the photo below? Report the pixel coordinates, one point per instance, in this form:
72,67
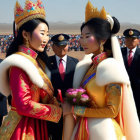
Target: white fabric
111,21
23,63
110,70
80,70
99,129
130,116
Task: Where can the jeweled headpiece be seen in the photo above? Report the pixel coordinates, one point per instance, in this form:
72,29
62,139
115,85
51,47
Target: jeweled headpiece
31,11
92,12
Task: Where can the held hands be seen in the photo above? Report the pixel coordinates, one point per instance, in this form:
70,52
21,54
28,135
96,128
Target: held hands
67,108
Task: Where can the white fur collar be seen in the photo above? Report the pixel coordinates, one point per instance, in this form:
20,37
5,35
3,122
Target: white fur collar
108,71
81,69
23,63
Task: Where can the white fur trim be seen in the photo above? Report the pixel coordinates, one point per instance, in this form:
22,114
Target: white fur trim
81,69
110,70
23,63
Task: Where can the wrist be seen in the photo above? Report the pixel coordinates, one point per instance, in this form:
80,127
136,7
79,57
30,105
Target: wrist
72,110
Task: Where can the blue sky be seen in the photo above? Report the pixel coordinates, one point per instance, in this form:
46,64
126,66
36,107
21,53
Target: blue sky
73,11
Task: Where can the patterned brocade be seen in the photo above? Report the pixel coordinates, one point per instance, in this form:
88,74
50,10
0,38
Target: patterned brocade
54,114
79,110
114,89
28,136
32,106
9,125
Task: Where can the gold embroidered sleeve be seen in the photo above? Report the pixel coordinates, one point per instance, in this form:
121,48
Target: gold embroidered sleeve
54,101
24,104
113,97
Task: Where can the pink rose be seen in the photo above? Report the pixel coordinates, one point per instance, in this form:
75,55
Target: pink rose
84,97
74,100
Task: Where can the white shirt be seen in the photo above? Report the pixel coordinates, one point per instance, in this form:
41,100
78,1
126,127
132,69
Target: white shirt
64,61
133,51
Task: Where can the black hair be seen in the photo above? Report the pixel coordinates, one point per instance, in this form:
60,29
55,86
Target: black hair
18,40
101,29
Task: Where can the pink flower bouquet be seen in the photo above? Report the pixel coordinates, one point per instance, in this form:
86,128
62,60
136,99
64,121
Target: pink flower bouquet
77,97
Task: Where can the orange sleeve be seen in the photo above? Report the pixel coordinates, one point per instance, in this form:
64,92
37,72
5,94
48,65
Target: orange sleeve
113,97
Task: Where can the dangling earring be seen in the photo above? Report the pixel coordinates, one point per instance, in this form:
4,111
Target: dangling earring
101,47
27,43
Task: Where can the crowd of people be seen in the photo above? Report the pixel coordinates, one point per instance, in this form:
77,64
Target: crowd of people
73,44
5,41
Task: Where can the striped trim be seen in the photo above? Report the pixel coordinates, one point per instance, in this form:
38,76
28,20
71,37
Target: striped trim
89,78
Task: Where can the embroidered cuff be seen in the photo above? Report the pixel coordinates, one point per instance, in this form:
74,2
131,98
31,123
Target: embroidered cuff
79,110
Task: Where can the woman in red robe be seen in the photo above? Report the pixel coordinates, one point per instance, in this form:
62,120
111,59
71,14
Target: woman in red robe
33,103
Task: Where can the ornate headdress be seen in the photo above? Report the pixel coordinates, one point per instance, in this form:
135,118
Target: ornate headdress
31,11
92,12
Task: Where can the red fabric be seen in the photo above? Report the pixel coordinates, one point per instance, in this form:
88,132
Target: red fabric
130,57
61,69
30,128
26,99
83,131
59,96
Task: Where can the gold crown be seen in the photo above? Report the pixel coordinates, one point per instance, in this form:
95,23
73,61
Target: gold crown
92,12
30,12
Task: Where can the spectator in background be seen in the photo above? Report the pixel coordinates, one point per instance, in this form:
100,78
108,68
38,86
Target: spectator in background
131,56
62,71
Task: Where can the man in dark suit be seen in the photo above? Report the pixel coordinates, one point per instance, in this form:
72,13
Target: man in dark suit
3,106
131,56
62,72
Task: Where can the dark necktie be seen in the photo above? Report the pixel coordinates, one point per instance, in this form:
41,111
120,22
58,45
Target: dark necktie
61,69
130,57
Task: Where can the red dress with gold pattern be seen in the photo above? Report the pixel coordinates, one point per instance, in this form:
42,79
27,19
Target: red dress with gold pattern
31,107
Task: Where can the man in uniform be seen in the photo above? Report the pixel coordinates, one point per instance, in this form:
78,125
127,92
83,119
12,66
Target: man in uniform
131,56
62,72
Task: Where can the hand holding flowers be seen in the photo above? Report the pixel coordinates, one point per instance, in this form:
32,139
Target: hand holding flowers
77,97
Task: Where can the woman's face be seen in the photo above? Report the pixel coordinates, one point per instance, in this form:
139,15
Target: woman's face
89,42
39,38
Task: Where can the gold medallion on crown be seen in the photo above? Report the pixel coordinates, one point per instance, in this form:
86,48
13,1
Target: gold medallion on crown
92,12
30,11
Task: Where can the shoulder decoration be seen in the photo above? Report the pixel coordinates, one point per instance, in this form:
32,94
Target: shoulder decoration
23,63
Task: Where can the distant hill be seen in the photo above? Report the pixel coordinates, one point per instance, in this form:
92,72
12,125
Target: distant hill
61,27
6,28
